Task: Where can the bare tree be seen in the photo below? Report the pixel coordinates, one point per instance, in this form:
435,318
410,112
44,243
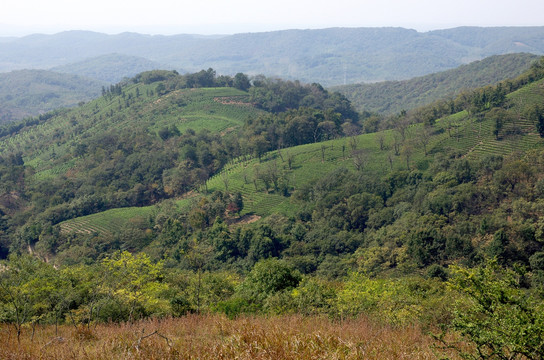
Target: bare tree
407,152
380,139
323,148
390,156
401,125
397,142
290,160
353,141
424,136
225,179
359,159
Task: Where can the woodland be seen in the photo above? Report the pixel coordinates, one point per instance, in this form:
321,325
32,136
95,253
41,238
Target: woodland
210,216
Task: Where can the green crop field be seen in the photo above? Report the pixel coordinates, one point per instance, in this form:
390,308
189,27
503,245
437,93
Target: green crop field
112,221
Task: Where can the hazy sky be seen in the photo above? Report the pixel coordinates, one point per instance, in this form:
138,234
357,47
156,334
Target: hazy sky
21,17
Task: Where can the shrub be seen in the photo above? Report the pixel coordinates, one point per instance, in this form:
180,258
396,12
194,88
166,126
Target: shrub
499,318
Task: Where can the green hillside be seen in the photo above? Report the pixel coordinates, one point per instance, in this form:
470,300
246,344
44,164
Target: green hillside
195,109
393,96
154,137
104,169
27,93
269,185
471,138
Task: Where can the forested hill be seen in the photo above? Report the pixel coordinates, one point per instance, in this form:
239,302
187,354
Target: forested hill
329,56
154,137
25,93
392,97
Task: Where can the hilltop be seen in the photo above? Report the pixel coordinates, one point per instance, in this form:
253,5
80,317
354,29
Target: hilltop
37,92
151,138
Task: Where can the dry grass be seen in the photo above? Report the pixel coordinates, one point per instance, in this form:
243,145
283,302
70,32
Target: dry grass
216,337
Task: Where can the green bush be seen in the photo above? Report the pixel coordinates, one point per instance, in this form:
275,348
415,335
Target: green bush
496,315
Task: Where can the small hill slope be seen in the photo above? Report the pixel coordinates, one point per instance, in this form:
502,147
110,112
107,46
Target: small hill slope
26,93
110,68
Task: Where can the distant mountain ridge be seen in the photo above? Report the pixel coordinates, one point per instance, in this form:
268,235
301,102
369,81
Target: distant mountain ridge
391,97
110,68
331,56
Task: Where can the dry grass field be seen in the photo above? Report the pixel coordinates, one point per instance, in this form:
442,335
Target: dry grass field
216,337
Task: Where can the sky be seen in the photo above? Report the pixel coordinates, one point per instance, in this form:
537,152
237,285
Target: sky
23,17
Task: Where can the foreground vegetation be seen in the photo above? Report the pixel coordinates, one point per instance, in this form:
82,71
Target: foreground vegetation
216,337
486,312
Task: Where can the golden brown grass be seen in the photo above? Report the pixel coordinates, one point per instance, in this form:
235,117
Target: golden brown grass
216,337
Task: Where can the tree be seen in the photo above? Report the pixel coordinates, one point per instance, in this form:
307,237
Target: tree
396,143
238,201
407,152
426,246
496,315
197,257
500,117
28,289
268,277
360,159
327,129
259,145
225,179
241,82
135,283
401,124
380,139
290,160
536,115
424,137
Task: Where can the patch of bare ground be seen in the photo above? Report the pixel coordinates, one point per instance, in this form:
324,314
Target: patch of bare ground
187,195
230,101
227,130
243,220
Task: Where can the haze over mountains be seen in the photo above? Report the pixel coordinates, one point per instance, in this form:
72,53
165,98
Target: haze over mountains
329,56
